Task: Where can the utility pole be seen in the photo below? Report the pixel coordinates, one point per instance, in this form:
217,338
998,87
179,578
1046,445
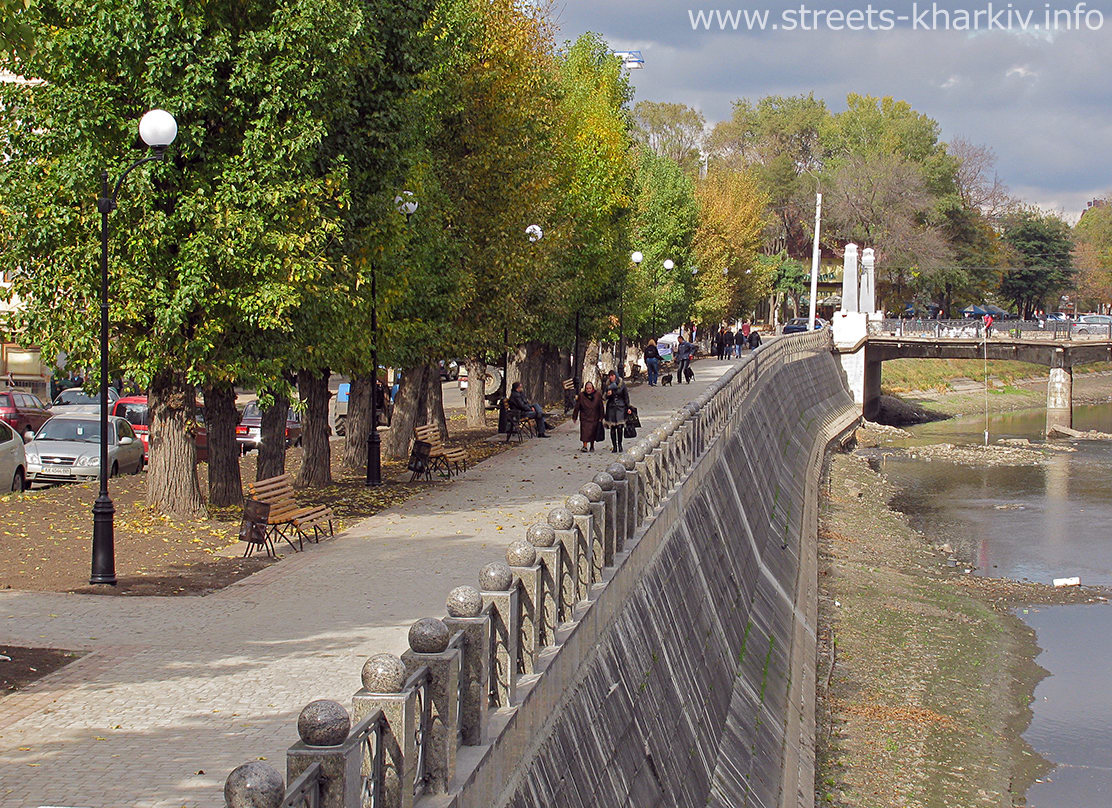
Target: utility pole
815,262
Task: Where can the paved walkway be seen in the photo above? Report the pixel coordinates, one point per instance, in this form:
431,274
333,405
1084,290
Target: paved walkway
176,692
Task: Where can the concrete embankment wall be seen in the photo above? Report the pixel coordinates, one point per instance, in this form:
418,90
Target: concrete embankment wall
690,679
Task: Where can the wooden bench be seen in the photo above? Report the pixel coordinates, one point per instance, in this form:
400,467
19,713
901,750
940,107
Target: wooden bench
286,518
439,456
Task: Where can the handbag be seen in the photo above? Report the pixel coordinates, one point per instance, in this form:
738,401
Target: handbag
630,430
633,419
600,432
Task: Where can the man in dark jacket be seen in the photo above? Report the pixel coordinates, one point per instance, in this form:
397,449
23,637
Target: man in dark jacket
520,403
684,351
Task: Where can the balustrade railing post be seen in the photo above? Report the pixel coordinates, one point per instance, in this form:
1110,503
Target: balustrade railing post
500,595
600,526
428,644
567,539
606,482
617,473
522,558
254,785
634,495
543,539
580,508
383,689
465,614
323,727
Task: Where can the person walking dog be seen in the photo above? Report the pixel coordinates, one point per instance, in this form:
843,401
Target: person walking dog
684,351
652,362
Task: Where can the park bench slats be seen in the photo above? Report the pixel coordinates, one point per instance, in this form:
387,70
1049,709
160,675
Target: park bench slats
287,519
434,454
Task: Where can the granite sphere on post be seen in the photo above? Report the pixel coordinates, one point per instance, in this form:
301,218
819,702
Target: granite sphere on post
637,454
428,635
541,535
654,439
605,480
495,577
617,471
464,601
384,673
521,553
323,723
627,461
254,785
578,505
560,519
592,491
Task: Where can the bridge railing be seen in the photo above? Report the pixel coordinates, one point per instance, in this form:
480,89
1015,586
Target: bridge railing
1000,329
415,712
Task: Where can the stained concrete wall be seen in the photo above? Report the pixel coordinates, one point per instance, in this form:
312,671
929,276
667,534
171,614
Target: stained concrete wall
690,679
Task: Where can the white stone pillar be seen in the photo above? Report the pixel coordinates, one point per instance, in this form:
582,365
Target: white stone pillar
868,281
849,279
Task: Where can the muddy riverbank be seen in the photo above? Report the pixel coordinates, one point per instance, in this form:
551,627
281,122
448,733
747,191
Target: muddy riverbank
926,674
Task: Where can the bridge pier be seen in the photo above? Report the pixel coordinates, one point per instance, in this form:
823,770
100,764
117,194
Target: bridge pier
1059,395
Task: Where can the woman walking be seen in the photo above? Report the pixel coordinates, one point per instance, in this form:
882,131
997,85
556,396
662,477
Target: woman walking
588,411
617,408
652,361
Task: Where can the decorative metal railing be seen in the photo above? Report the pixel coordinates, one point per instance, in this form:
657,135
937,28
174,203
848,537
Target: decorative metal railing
999,329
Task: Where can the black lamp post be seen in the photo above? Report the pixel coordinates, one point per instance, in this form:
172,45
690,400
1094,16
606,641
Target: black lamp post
158,130
406,204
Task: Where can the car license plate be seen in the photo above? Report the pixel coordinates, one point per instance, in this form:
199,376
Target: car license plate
62,471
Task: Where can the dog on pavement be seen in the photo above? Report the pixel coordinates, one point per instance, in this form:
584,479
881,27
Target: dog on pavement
666,380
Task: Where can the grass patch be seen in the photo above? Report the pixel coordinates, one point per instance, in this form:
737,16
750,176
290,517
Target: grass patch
905,375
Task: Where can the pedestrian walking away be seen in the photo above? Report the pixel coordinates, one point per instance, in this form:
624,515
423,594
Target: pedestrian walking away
588,411
728,344
684,352
617,408
521,403
652,362
754,339
742,338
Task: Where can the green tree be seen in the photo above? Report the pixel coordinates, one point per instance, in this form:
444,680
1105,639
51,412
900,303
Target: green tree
16,32
1041,260
675,131
211,253
666,215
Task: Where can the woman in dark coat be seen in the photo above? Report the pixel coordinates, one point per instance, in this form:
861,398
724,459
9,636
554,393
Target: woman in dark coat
588,411
617,408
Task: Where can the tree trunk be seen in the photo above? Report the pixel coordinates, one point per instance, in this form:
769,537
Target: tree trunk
473,400
225,485
590,365
529,360
434,402
398,438
554,370
272,449
172,486
357,424
316,461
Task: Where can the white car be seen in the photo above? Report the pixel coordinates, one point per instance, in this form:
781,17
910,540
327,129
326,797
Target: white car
67,448
76,400
13,460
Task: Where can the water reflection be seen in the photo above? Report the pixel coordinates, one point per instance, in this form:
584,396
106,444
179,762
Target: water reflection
1039,522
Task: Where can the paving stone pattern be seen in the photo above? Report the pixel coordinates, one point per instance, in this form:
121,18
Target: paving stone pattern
174,693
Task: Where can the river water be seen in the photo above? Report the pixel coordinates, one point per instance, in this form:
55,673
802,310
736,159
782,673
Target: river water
1036,522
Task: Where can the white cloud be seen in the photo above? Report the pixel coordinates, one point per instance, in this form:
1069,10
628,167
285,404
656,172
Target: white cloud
1022,71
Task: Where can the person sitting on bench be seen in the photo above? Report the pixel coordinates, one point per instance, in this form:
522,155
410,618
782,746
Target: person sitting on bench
521,404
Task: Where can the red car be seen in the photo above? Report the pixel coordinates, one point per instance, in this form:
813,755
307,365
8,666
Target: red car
134,410
22,411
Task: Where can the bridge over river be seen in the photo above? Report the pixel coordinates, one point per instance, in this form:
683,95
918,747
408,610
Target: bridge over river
1059,350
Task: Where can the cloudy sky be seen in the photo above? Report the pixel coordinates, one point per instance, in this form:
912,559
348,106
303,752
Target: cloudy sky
1040,98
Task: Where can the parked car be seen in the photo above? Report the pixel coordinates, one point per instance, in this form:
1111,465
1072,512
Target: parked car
449,370
13,459
1059,316
1100,324
67,448
249,431
23,412
76,400
135,411
798,325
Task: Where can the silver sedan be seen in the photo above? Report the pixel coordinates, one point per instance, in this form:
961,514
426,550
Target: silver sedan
67,448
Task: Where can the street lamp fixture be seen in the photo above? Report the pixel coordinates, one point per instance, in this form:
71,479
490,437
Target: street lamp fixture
406,204
157,129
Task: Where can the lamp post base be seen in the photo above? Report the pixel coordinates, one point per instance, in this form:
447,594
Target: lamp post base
374,458
104,562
